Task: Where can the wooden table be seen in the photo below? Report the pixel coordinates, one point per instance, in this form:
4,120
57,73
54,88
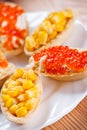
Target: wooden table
77,119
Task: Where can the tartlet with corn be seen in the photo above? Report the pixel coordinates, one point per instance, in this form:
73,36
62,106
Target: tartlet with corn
20,95
54,30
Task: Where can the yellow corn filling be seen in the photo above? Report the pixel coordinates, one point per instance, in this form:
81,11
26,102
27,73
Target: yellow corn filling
20,94
54,24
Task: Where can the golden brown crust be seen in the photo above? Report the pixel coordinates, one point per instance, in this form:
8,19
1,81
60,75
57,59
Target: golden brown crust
23,120
68,77
13,52
60,39
6,73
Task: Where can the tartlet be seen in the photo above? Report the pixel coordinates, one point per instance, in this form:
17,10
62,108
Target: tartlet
21,95
13,28
61,63
54,30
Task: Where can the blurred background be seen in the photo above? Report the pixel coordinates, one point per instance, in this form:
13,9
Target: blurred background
48,5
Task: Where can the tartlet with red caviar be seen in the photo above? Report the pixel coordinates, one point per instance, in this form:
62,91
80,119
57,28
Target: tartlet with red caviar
13,28
61,63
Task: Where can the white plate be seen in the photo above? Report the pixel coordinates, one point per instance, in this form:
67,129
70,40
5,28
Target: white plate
59,98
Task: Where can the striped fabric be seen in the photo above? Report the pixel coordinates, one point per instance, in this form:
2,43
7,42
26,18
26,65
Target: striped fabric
75,120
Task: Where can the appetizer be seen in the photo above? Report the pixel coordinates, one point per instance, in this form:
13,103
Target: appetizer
13,28
20,95
54,30
61,63
6,68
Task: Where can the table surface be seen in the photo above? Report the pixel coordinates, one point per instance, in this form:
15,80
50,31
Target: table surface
76,119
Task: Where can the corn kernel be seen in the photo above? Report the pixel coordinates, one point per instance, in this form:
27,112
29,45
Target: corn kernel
21,112
42,37
32,76
51,15
38,44
30,43
28,84
22,104
13,91
29,104
25,74
22,97
35,35
18,73
9,102
18,82
4,91
61,16
10,82
13,77
32,92
29,75
68,13
59,28
5,97
53,35
20,89
13,108
6,83
55,19
46,25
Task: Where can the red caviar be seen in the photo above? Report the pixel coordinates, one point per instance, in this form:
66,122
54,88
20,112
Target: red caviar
8,18
3,63
62,60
